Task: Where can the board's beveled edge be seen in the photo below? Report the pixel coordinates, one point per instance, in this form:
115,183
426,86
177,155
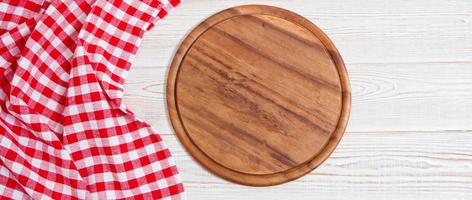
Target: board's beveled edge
216,168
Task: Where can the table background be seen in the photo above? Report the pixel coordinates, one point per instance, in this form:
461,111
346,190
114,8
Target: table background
410,133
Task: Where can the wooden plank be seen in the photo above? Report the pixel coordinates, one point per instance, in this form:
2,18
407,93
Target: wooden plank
410,64
390,165
386,97
365,31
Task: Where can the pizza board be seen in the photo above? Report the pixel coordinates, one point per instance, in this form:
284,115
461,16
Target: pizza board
258,95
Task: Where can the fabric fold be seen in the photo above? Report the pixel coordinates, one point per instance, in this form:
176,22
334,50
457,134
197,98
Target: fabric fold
64,130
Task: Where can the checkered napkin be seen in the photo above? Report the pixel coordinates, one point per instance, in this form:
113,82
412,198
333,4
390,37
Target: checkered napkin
64,132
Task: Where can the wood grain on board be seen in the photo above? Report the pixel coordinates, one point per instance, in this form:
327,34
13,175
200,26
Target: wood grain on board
410,67
258,95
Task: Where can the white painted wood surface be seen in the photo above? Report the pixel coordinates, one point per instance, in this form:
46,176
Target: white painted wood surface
410,133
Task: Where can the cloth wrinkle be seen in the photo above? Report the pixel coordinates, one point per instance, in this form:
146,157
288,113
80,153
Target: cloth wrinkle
64,130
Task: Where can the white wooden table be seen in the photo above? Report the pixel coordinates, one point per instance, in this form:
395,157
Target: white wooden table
410,133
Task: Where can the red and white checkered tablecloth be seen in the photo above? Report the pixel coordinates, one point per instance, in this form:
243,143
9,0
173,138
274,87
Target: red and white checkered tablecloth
64,132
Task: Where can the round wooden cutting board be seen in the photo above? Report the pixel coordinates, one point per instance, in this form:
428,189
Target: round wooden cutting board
258,95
